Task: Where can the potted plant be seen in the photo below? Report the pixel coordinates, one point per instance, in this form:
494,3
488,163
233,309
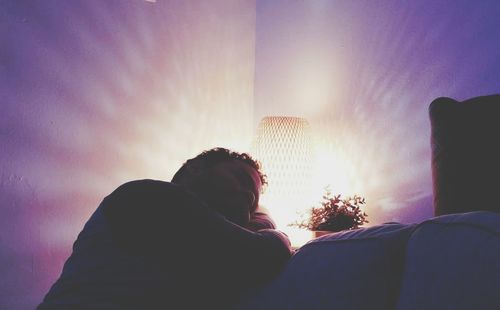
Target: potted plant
334,214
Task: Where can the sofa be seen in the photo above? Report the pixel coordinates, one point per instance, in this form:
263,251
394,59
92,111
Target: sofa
465,144
451,261
447,262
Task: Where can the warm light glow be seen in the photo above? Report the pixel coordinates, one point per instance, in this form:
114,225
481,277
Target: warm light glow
284,146
333,168
313,80
120,90
300,165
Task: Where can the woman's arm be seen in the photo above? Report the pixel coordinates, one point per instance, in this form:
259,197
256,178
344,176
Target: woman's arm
162,219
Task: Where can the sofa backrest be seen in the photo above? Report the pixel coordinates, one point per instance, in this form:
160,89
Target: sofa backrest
448,262
453,262
358,269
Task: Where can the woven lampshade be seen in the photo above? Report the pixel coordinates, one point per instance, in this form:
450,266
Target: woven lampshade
284,147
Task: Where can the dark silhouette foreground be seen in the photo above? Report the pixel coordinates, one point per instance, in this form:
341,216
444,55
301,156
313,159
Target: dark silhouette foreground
199,242
465,154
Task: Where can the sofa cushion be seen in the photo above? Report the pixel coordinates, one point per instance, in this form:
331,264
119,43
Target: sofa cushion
358,269
453,262
465,141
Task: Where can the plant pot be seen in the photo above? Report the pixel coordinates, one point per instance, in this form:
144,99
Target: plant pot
319,233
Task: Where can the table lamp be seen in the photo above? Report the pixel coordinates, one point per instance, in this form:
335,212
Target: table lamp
283,145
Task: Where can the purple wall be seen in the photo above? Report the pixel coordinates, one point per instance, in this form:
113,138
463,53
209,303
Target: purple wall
364,73
96,93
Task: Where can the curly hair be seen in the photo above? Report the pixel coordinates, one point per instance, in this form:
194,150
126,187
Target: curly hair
209,158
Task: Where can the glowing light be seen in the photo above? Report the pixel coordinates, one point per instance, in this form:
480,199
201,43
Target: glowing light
283,145
334,168
300,164
313,81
